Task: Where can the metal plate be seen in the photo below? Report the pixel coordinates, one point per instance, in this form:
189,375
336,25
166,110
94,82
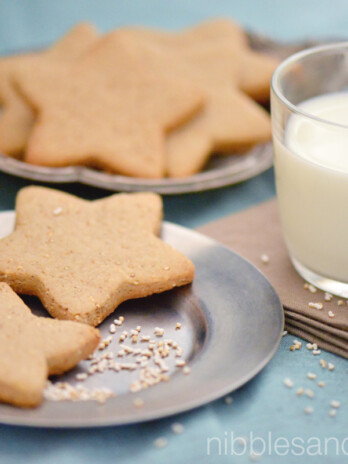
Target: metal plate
232,321
219,172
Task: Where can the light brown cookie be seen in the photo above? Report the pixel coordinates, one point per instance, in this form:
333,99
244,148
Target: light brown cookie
17,117
82,258
230,120
110,109
256,68
32,348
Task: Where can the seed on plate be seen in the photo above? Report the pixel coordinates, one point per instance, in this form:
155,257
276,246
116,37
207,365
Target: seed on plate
178,326
138,402
158,332
186,370
180,363
112,328
81,376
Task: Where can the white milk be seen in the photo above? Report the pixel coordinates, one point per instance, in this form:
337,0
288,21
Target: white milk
312,186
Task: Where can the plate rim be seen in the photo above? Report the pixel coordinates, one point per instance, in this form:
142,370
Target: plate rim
171,410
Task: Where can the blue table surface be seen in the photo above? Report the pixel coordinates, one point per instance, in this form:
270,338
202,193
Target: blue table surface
264,408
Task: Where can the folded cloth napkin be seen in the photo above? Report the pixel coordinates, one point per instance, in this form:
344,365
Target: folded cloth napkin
256,235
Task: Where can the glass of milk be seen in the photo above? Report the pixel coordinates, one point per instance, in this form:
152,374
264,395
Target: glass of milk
309,103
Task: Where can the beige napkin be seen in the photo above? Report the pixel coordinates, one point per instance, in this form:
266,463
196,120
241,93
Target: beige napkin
257,231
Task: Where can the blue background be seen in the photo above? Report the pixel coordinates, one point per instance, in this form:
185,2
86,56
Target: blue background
264,405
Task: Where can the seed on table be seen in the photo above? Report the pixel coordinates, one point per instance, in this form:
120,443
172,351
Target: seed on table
288,382
308,410
160,442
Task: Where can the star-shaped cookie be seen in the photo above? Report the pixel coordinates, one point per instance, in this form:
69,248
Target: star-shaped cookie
110,109
17,117
230,121
32,348
83,258
256,67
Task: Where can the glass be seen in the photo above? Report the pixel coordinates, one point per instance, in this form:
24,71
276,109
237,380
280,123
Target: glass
311,162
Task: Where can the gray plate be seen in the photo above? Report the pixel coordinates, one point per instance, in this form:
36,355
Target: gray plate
232,322
219,172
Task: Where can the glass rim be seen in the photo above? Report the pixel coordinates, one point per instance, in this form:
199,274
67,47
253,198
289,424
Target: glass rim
295,58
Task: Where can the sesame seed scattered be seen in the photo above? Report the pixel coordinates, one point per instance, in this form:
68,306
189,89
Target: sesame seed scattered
81,376
160,442
323,363
313,305
138,402
134,338
331,314
308,410
335,404
309,346
308,392
311,376
312,289
228,399
331,366
340,303
264,258
316,352
178,326
180,363
112,328
285,332
57,211
158,332
321,384
145,338
332,412
177,428
288,382
300,391
186,370
328,296
315,346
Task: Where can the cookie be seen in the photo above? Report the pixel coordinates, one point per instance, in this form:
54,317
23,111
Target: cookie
32,348
17,117
230,121
256,68
82,258
110,109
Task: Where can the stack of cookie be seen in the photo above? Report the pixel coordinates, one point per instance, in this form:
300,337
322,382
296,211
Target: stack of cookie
136,102
82,259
